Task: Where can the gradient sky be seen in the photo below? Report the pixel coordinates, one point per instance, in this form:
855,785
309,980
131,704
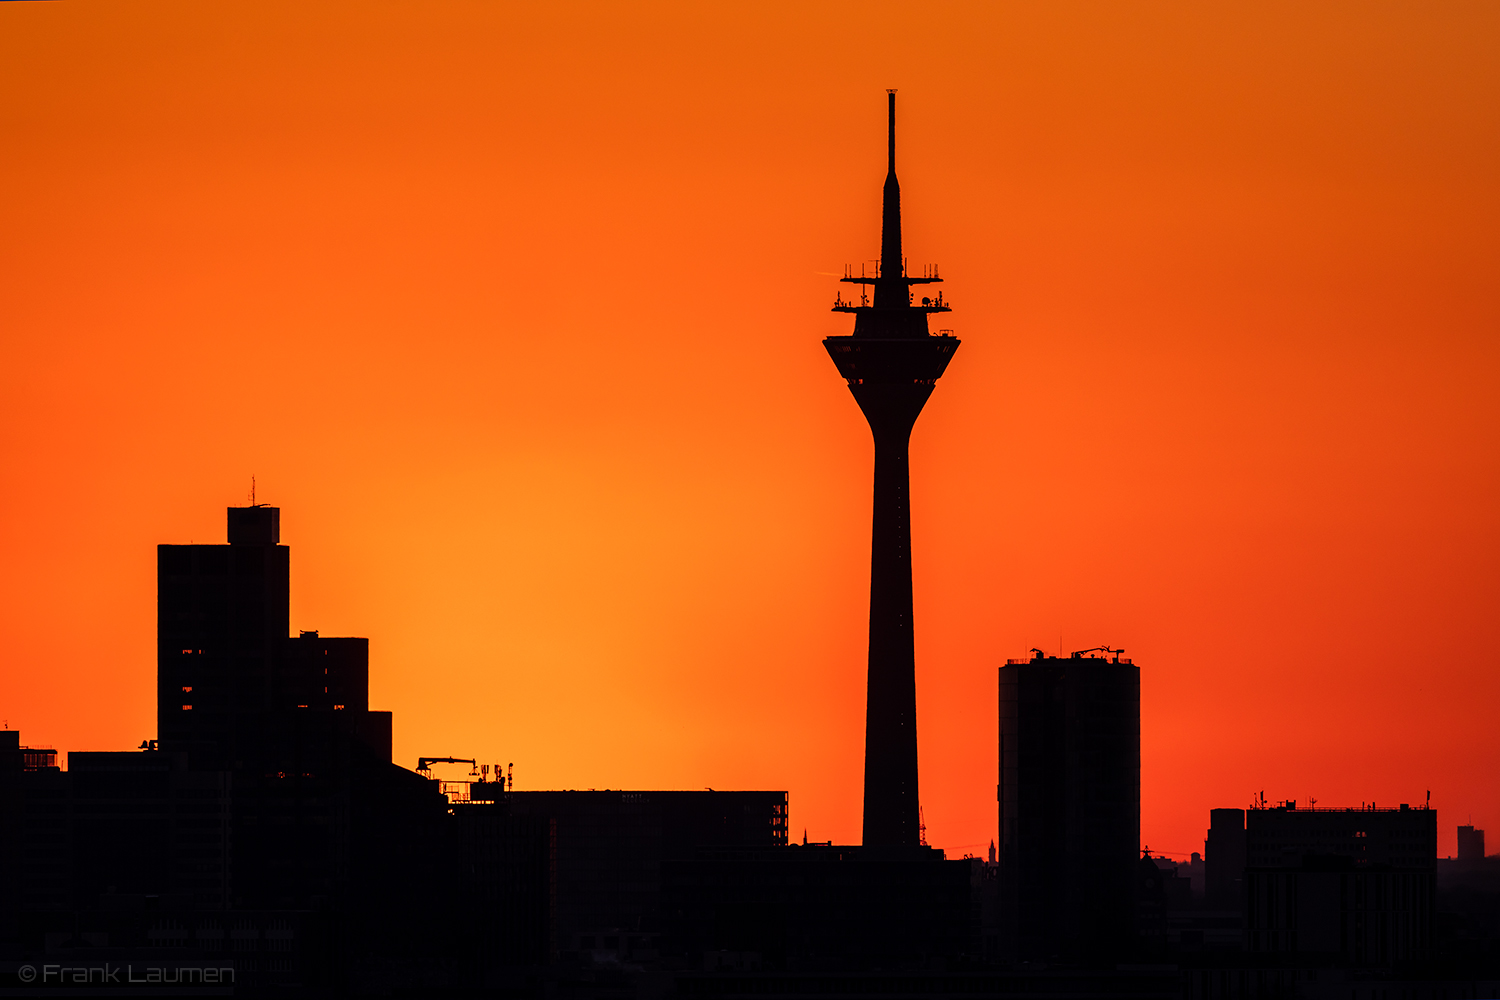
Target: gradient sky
515,312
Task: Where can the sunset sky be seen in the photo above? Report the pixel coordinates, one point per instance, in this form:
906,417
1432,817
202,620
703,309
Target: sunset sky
515,312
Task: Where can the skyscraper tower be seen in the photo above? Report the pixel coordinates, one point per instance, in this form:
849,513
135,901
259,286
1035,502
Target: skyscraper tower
1070,803
231,687
891,363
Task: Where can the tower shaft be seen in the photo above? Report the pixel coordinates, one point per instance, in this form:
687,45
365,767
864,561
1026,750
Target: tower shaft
891,796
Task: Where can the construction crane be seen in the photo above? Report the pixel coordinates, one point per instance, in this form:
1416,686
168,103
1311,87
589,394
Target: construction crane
1078,654
424,764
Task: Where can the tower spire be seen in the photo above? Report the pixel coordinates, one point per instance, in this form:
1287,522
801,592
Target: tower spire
890,228
891,138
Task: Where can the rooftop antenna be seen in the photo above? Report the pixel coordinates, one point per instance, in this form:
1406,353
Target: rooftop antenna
891,131
252,491
891,257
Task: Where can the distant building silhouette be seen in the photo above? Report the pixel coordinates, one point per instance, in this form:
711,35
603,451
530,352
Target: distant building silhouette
1224,856
1070,804
827,907
1470,844
1163,891
232,689
1354,886
611,846
891,363
676,879
265,832
16,758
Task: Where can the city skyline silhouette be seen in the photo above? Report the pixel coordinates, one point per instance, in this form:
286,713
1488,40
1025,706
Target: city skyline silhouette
1224,398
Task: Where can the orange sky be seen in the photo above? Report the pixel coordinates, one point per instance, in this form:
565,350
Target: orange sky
515,312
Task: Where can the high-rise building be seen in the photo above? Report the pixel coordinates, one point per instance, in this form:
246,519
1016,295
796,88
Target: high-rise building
1470,844
891,363
1070,804
221,614
1356,886
232,687
1224,859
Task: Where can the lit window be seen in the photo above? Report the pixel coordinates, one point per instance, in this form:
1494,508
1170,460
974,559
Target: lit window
187,708
338,708
187,689
187,652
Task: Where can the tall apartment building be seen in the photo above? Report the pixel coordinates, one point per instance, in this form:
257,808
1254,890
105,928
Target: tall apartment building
1070,804
232,688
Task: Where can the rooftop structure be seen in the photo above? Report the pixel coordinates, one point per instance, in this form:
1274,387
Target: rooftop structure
1283,834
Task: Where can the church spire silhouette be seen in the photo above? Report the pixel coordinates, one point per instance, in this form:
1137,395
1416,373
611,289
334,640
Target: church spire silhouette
891,363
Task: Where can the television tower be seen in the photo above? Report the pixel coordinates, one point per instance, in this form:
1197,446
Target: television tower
891,363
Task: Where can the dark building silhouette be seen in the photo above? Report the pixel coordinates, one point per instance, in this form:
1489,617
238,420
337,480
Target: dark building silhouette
825,908
611,846
221,617
501,914
1467,928
1163,893
891,363
1070,805
1470,844
1225,858
232,689
1351,886
1398,837
682,880
266,831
